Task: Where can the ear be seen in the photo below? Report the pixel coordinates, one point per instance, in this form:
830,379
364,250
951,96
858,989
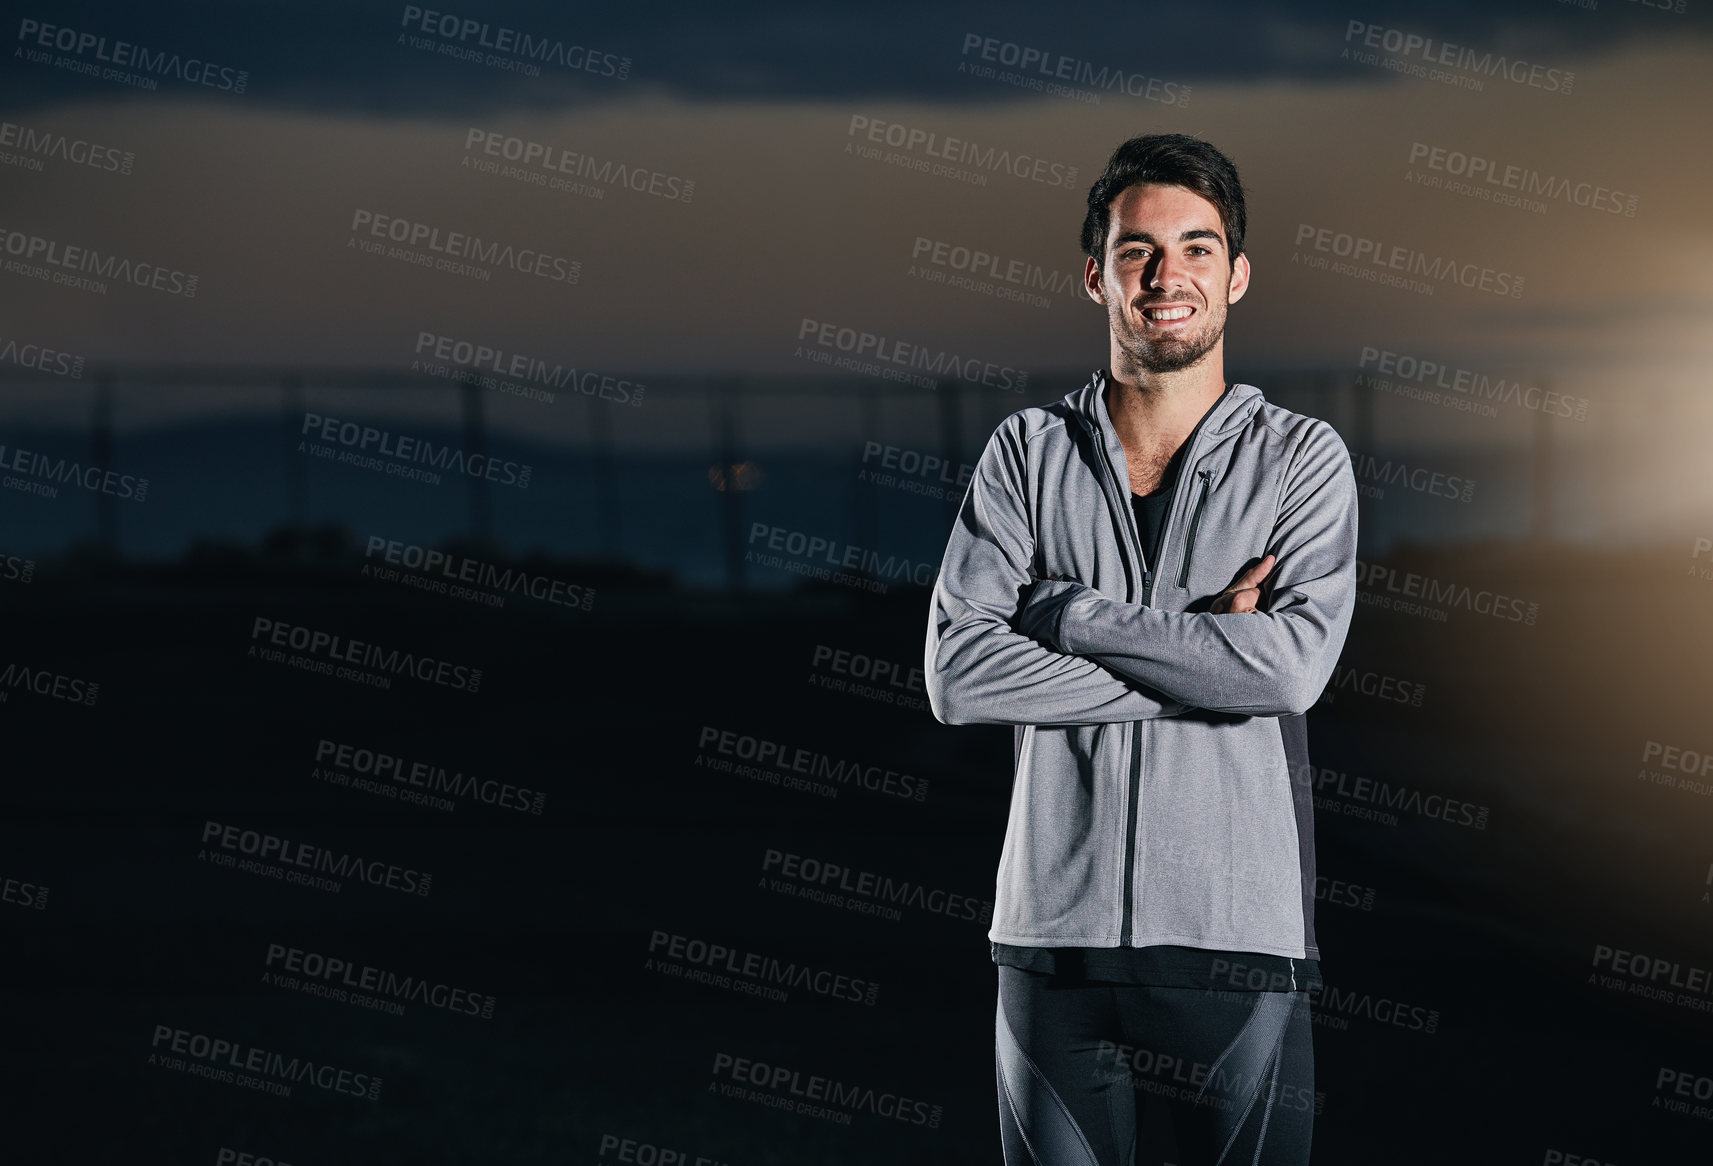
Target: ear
1239,279
1091,281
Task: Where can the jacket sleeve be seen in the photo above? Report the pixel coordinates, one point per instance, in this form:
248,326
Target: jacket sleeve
981,671
1274,661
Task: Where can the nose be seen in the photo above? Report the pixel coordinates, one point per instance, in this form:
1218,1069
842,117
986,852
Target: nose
1167,272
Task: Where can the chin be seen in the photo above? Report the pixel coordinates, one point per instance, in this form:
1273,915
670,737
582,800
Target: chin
1169,357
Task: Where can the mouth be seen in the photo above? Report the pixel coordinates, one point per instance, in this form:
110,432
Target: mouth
1167,316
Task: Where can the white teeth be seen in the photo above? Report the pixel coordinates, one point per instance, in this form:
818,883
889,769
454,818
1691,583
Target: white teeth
1167,313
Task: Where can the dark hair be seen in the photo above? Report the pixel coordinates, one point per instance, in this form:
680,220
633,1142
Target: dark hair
1173,160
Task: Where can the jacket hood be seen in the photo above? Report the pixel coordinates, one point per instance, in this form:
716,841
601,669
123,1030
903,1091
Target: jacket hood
1233,409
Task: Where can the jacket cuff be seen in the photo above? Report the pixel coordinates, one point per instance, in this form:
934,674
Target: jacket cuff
1043,617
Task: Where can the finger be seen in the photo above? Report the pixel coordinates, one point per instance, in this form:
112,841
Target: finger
1250,576
1258,572
1235,599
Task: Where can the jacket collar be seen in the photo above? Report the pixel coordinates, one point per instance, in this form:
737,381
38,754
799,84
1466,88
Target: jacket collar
1234,407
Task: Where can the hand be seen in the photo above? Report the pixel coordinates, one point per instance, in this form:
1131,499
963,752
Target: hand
1245,590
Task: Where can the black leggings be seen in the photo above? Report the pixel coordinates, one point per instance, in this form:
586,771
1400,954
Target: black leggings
1078,1062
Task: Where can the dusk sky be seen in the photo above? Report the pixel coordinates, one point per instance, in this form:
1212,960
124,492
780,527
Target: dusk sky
344,117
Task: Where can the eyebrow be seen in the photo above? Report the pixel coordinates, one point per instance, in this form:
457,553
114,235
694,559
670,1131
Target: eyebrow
1145,237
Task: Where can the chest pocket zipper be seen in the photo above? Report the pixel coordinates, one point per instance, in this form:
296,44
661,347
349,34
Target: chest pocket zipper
1195,521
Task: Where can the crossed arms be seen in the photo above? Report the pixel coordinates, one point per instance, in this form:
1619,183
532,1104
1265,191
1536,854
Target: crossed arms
1006,648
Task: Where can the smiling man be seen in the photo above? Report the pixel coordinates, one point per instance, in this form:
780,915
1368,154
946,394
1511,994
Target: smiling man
1151,579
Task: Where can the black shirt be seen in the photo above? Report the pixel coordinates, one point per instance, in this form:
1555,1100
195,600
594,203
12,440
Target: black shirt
1151,509
1164,965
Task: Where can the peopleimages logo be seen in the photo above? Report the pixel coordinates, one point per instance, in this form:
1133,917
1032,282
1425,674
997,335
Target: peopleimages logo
1523,180
840,557
36,145
1378,685
1435,382
913,472
41,358
124,55
16,568
1475,64
1371,256
228,1156
350,982
447,572
1169,1074
453,246
1676,767
557,167
1041,69
872,353
1676,1088
469,39
1333,1006
419,781
1653,969
207,1056
824,773
783,1087
382,449
816,880
40,474
58,257
518,373
987,273
307,856
1700,570
334,647
1380,472
1338,792
44,682
1386,586
23,894
842,670
958,151
617,1148
768,976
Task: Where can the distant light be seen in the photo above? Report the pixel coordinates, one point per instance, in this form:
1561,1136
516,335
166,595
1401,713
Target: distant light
739,476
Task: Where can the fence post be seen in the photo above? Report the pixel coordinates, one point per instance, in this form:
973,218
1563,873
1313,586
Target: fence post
476,443
731,498
101,454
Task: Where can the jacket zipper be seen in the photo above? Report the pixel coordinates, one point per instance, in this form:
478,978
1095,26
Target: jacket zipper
1130,821
1139,727
1135,783
1195,521
1129,512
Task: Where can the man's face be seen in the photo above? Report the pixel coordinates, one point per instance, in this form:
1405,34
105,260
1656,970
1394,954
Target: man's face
1165,251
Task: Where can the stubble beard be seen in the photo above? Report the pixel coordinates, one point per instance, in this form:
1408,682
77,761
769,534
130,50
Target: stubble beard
1165,353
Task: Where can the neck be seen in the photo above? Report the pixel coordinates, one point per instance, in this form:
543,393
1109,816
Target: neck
1158,414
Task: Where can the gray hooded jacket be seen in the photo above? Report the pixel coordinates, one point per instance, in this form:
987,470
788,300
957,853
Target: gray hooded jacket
1160,793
